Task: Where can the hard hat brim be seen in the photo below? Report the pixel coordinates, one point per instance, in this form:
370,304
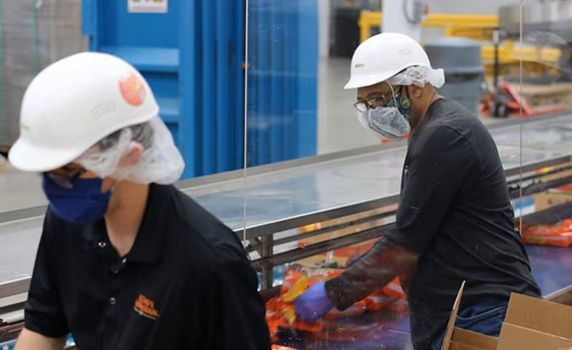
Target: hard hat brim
359,82
27,157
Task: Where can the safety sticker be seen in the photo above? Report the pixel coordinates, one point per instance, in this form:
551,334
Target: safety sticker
148,6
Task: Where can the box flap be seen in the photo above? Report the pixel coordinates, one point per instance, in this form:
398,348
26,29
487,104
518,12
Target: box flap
540,315
514,337
472,340
452,319
460,346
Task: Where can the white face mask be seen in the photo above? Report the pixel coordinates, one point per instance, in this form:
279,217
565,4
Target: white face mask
362,119
385,121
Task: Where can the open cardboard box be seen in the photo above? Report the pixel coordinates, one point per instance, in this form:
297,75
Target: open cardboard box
530,324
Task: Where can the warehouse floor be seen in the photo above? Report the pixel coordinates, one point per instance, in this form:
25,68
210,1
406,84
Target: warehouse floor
338,130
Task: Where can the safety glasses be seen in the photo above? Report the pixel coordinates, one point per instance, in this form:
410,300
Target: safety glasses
378,101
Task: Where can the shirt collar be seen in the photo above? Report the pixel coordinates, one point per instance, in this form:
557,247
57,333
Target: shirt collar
432,113
149,243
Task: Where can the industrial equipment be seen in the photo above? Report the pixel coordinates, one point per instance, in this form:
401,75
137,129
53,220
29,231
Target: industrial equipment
315,210
184,50
330,202
480,28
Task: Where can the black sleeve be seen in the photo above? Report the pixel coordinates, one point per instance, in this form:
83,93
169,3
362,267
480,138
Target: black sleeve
236,318
43,311
373,271
437,171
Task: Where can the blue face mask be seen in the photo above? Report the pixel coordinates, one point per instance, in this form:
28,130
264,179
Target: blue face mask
82,204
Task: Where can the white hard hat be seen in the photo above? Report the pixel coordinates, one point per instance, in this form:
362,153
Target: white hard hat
73,104
382,56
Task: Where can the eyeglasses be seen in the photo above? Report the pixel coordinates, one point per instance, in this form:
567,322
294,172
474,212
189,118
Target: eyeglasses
66,180
378,101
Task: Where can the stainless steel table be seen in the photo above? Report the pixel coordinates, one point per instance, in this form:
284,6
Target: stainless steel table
292,194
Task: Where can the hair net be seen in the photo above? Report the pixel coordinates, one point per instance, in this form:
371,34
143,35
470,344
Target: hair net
419,75
161,161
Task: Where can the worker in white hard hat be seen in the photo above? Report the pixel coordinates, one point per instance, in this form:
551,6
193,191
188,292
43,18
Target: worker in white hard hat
455,221
125,260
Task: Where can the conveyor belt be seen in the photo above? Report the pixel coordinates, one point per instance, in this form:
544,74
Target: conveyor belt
390,330
291,194
286,196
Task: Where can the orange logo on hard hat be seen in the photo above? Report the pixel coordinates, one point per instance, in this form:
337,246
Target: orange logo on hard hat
133,90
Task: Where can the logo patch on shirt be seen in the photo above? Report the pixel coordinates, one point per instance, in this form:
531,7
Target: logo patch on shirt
146,307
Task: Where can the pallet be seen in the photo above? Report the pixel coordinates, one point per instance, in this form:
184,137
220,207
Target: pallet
546,94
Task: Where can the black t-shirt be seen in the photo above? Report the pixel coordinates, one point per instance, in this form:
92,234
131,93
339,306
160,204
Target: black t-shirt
185,284
455,212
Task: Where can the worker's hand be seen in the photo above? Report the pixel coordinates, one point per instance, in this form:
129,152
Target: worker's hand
313,304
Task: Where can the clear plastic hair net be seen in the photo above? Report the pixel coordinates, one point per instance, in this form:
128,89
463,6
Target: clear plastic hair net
419,76
161,162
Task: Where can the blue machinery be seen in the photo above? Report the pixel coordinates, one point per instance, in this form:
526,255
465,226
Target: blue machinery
194,59
283,81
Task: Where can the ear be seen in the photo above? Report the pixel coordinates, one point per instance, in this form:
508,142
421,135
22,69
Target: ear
133,156
415,91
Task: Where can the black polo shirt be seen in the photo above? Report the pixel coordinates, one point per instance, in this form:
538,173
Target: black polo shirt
455,212
185,284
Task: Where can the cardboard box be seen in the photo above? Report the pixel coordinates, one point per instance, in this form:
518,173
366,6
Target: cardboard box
530,324
533,323
552,198
462,339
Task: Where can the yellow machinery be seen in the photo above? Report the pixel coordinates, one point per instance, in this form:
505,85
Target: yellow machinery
480,27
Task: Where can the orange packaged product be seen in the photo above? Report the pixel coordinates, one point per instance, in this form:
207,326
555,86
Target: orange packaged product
557,235
385,296
353,311
281,312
